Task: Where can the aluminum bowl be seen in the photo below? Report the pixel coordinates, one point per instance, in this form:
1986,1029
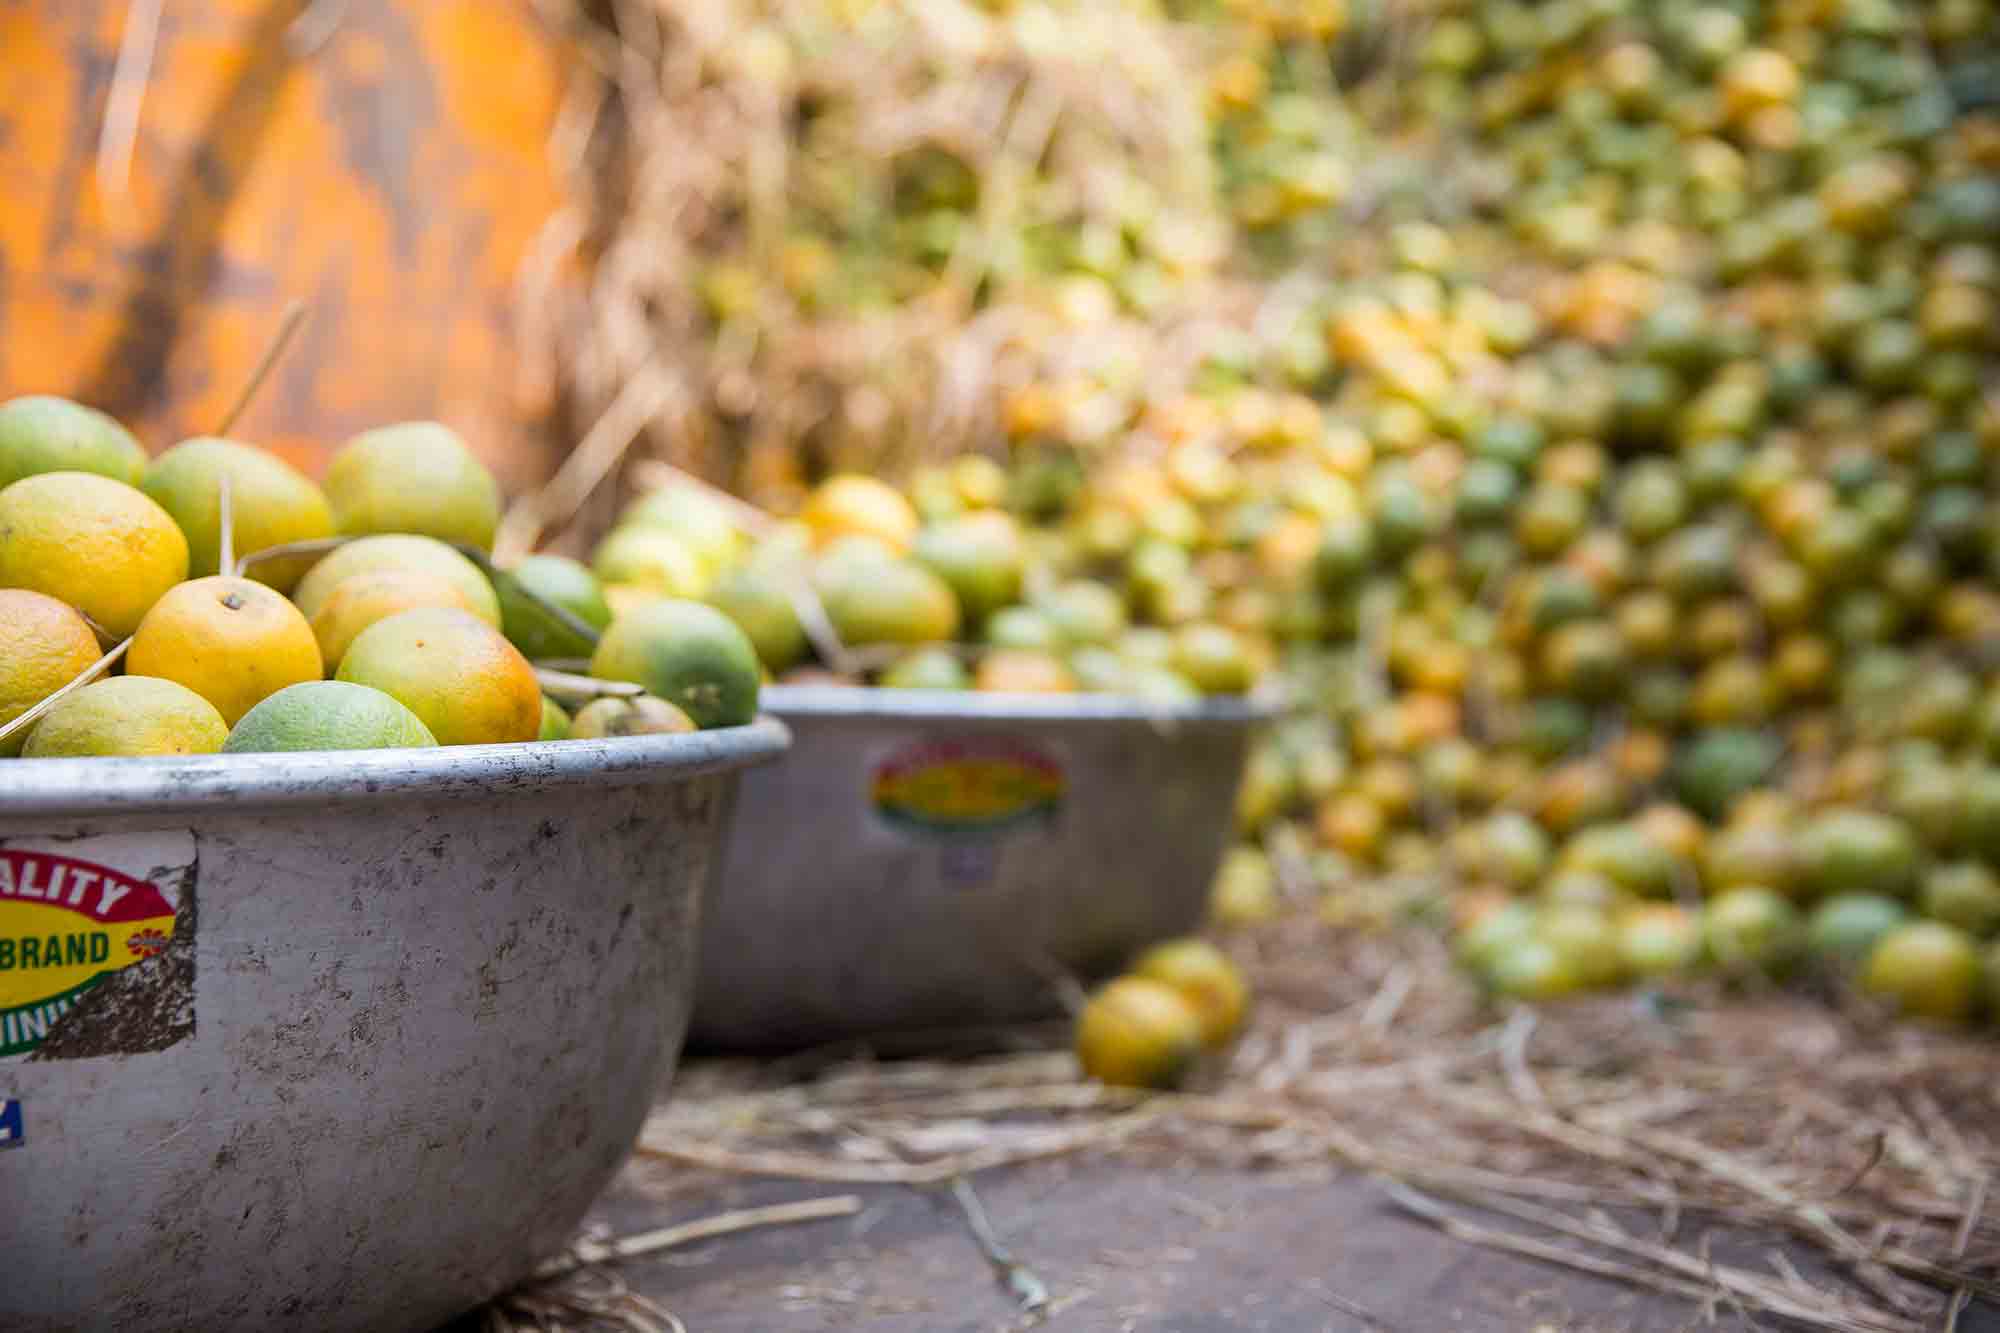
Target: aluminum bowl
335,1041
928,861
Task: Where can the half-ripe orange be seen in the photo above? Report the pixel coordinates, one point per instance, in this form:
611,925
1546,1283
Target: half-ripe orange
360,600
44,645
457,673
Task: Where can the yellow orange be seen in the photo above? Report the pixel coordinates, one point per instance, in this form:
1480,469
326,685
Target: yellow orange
848,505
1206,979
230,640
1138,1033
97,544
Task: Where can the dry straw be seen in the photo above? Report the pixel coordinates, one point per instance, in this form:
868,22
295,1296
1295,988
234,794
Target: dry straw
1622,1136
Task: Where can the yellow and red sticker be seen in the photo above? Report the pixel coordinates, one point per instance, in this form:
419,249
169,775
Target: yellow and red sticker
974,785
65,925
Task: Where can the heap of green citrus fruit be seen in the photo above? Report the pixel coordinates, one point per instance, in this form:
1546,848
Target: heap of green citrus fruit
1675,594
1608,448
363,613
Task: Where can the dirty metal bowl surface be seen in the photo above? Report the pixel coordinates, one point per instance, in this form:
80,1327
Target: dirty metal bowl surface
334,1041
928,861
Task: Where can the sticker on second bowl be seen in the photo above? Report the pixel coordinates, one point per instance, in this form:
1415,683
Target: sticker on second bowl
967,786
96,945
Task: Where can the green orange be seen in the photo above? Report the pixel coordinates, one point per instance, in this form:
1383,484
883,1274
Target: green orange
47,434
688,654
327,715
563,583
271,503
416,477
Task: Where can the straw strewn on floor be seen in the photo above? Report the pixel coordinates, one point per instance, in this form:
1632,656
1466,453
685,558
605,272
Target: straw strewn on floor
1605,1135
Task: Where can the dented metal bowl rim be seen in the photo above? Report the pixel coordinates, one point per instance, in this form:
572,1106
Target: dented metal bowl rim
234,781
874,703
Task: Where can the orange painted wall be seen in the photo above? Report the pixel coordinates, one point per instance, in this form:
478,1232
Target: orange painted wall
393,179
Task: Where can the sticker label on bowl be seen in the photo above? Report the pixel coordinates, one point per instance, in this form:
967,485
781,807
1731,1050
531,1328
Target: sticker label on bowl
976,785
96,945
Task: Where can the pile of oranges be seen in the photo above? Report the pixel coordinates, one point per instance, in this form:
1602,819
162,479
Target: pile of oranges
214,599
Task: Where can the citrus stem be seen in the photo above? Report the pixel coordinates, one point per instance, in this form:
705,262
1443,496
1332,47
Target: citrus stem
225,519
818,627
567,689
295,315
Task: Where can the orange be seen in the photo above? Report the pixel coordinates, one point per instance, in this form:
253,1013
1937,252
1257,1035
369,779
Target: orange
457,673
43,434
1138,1033
848,505
1927,969
327,715
705,528
1023,671
1674,829
92,542
44,645
1206,979
889,601
1352,824
376,594
1245,890
128,716
1659,939
1214,658
415,477
230,640
690,655
650,557
271,503
404,552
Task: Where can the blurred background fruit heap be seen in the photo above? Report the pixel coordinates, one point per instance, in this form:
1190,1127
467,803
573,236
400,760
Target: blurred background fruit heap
1588,407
